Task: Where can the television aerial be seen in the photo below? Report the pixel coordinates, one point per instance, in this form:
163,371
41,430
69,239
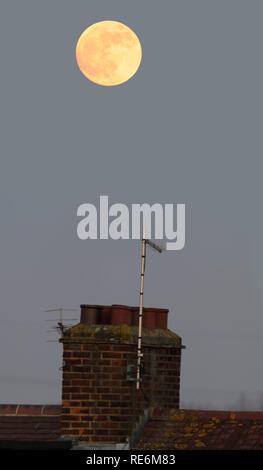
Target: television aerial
159,249
60,327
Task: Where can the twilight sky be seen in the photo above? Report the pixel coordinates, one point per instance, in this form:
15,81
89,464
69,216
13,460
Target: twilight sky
187,128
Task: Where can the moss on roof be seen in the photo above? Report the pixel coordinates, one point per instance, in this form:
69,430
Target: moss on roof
204,430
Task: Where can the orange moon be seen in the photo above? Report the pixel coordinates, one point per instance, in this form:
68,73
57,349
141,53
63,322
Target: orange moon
108,53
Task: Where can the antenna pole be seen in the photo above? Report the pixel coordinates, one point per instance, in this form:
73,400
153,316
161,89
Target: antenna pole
139,353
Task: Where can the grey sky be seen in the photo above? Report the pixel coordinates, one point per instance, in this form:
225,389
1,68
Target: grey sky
186,128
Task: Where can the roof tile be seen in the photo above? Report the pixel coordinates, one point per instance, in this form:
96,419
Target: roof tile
197,429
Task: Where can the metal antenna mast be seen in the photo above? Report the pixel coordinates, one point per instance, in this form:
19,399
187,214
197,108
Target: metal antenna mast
143,261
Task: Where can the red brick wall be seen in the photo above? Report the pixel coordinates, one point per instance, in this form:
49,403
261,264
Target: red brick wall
99,404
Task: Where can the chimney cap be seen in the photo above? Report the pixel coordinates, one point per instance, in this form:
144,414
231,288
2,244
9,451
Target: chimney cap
89,305
121,305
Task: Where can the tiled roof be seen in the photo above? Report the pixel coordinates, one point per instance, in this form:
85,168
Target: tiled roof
166,430
205,430
30,422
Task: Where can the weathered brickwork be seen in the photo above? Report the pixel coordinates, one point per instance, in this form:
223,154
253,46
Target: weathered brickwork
99,404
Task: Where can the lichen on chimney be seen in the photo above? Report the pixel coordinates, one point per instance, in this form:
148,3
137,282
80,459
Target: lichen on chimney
123,334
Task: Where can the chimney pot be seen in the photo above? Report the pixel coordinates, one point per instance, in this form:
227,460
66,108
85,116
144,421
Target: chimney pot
121,314
89,314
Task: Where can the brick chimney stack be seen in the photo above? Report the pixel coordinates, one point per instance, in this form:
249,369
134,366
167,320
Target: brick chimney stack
100,403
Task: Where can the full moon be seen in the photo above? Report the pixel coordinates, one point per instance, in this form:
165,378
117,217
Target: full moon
108,53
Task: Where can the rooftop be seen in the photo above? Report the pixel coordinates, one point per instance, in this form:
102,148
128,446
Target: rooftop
205,430
30,422
165,430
